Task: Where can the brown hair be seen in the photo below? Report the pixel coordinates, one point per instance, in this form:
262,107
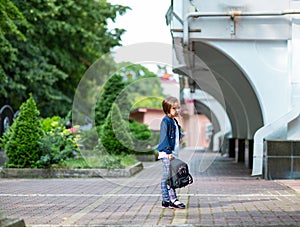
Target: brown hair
167,104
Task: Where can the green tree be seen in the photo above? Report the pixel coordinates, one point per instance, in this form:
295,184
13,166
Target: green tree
115,133
131,87
10,19
109,93
63,38
143,86
21,142
131,84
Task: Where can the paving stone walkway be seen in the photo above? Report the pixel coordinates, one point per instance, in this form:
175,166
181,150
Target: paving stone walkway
223,194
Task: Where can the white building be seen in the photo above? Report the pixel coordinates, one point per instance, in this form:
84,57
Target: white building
245,54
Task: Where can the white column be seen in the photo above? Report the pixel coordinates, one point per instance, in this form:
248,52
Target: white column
294,49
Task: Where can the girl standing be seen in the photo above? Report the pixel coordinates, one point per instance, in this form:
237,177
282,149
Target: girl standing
169,140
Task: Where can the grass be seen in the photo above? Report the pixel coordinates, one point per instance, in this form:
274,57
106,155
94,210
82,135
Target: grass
105,162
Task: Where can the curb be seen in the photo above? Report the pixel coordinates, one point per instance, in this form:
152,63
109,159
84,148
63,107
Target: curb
69,173
5,222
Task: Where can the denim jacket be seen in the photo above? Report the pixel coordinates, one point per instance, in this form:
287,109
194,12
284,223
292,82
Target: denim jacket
167,134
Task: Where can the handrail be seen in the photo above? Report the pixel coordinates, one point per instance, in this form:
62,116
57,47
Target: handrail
265,131
231,14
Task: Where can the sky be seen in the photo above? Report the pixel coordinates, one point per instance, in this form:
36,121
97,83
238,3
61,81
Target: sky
145,22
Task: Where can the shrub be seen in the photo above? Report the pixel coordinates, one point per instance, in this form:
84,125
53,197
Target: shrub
21,141
49,123
142,137
109,93
139,131
58,143
89,138
114,134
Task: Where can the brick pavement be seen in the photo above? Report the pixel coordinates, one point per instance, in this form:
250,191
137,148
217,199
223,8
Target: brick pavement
223,194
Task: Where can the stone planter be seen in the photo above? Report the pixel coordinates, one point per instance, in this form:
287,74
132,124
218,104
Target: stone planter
68,173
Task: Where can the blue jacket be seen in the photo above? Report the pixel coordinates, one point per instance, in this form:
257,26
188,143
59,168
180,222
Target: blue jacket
167,134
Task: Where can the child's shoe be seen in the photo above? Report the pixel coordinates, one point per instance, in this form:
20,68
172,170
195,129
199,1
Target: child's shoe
166,204
177,204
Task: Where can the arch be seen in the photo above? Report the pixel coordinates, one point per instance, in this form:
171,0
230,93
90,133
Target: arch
240,100
201,108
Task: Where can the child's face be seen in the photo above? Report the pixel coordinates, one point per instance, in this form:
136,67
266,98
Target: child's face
174,112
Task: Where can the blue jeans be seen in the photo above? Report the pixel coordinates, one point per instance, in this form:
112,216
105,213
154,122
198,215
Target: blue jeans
167,192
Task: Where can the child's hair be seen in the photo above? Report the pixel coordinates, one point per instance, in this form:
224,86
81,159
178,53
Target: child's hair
168,103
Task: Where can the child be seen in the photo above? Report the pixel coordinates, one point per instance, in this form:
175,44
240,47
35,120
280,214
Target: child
168,147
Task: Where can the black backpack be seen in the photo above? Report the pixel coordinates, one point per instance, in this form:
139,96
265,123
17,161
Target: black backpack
179,175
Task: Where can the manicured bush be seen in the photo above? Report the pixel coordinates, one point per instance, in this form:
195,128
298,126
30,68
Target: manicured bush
142,137
108,95
20,143
114,134
39,143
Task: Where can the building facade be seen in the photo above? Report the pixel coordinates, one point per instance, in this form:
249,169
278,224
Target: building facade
245,55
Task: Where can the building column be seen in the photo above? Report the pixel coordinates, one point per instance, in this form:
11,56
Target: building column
231,149
250,153
241,150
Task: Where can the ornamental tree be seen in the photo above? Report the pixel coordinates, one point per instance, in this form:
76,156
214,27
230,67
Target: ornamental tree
21,142
115,133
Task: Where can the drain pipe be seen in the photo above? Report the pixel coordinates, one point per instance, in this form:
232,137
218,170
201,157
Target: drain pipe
218,139
269,130
231,14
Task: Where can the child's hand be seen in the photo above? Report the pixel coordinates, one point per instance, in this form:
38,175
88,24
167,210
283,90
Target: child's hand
170,156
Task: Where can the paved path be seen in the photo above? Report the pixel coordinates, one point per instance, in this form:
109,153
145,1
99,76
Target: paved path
223,194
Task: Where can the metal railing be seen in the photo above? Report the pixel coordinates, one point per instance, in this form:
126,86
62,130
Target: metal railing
232,15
